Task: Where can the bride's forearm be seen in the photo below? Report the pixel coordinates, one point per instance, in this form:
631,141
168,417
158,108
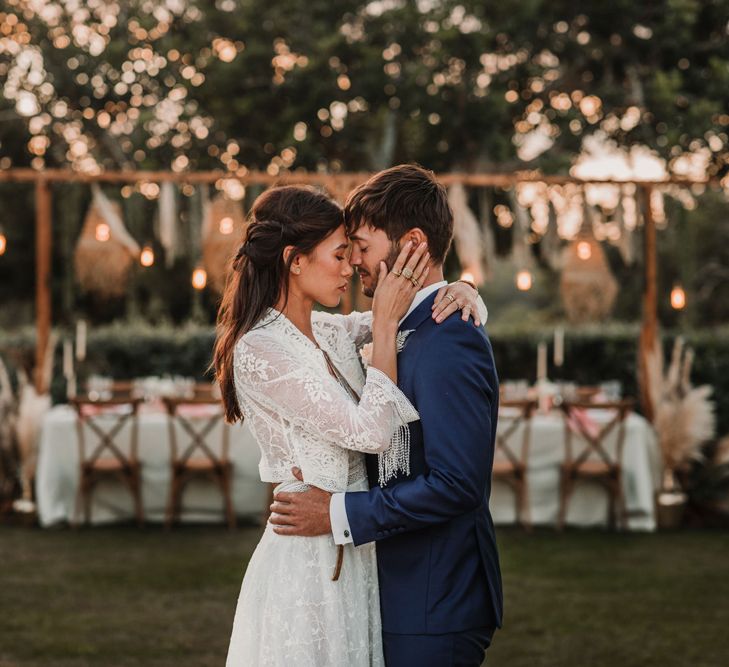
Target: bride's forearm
384,348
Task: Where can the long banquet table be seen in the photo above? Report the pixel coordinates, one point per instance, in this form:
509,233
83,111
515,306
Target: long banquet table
58,473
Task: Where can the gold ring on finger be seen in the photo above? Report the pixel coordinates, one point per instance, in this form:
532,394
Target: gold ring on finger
407,272
451,297
397,273
414,281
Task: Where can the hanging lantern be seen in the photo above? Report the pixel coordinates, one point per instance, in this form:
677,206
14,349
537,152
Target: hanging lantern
146,258
3,242
678,297
105,252
524,280
222,231
588,287
102,233
199,278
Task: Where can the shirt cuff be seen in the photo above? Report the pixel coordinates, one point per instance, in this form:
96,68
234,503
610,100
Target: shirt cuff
338,517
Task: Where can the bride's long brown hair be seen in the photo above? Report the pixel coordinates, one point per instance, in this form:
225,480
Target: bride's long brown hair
295,216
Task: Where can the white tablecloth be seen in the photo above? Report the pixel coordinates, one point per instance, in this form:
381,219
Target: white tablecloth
588,505
58,474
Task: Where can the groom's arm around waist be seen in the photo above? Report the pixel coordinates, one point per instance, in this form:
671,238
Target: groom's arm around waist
455,390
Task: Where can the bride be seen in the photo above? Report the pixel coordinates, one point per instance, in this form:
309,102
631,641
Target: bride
296,376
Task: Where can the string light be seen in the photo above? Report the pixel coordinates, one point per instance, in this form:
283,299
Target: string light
678,297
103,233
3,242
199,278
524,280
584,250
146,258
226,225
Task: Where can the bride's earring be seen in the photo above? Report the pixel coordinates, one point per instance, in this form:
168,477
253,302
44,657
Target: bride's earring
296,270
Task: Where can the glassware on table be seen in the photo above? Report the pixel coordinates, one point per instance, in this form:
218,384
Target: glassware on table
100,387
515,390
612,390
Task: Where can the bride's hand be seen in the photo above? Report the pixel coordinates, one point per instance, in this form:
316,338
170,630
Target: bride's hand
396,289
457,296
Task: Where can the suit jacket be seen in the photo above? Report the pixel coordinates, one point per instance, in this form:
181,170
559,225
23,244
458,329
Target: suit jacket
436,549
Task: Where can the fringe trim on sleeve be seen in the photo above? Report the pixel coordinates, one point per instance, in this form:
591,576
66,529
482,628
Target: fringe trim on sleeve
397,458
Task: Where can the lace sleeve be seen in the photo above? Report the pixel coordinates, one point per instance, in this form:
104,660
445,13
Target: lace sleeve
357,325
305,395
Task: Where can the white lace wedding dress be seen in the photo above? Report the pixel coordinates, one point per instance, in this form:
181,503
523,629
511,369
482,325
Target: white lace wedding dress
290,612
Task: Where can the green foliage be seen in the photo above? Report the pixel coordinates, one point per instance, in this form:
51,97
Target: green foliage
592,355
434,74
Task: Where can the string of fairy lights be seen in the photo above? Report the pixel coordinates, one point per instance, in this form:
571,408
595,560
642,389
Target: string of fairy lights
524,277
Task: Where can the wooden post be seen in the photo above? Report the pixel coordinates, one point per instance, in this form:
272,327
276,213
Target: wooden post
649,328
42,278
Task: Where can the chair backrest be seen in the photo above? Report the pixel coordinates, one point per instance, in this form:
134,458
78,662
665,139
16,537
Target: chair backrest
595,431
513,433
107,429
197,429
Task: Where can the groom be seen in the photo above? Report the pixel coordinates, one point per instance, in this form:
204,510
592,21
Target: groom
440,584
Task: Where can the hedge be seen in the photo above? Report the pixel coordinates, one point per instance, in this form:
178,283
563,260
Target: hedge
592,355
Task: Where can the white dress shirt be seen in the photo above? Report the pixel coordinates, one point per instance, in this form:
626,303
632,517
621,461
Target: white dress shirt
337,510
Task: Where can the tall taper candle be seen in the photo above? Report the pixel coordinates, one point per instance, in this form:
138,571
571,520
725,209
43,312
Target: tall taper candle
542,361
67,359
81,340
558,346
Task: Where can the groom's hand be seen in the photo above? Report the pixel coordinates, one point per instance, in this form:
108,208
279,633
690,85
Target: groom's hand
305,514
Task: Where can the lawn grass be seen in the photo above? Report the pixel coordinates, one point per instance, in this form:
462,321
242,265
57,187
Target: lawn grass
119,596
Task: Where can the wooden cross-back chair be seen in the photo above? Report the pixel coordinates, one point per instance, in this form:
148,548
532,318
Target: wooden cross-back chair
593,461
199,458
512,452
110,458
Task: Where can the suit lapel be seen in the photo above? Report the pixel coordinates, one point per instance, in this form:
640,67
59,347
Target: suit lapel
419,315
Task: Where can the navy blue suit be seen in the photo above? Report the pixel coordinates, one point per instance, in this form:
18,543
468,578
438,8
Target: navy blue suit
436,549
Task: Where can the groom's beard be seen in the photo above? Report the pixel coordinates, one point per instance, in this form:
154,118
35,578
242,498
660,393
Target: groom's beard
389,261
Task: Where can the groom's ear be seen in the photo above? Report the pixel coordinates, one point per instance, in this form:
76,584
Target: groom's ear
415,235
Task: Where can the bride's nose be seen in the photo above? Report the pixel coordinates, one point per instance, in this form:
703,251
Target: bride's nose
347,271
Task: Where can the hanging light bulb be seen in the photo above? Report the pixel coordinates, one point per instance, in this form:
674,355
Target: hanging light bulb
584,250
524,280
3,242
199,278
103,233
678,297
146,258
226,225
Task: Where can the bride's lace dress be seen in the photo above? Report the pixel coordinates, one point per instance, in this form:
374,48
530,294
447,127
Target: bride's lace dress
290,612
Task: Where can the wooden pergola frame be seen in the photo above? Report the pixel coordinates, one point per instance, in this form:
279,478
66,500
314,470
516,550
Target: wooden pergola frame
339,186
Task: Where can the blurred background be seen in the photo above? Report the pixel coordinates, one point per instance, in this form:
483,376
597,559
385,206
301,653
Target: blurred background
585,152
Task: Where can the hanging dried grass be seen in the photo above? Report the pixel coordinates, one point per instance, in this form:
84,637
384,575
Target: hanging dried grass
588,287
102,266
467,233
223,227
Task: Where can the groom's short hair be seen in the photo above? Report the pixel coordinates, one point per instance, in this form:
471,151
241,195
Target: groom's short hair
402,198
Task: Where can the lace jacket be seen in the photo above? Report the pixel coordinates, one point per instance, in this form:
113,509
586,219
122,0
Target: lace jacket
302,416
